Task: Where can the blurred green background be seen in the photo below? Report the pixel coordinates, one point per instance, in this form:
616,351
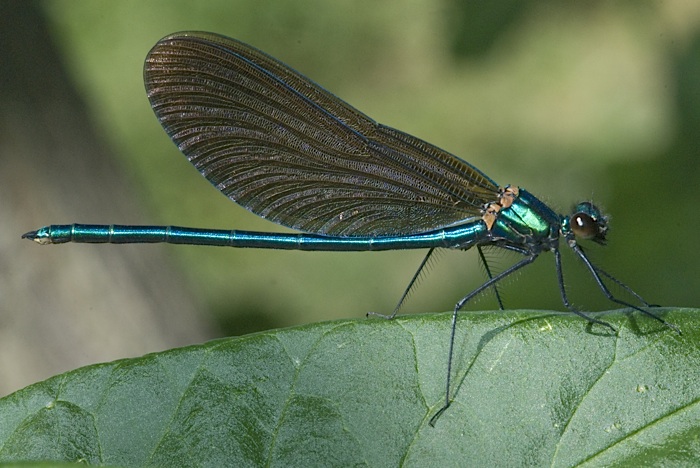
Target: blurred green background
572,100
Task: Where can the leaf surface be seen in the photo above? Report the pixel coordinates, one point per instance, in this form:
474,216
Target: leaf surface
530,388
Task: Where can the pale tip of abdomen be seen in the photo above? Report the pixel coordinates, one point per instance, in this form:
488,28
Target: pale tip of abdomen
40,236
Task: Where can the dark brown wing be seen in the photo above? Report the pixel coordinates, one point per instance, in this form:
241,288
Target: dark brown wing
288,150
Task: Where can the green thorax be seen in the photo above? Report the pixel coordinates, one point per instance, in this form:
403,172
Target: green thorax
527,221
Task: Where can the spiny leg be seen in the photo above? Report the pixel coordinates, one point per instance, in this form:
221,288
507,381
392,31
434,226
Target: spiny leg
624,286
482,257
526,261
408,288
565,299
595,272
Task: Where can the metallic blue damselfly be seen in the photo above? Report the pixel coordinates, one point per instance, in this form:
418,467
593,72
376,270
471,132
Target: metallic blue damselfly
289,151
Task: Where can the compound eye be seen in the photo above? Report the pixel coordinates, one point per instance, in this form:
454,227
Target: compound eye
584,226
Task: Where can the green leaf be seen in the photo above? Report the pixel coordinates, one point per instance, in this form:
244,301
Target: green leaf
530,388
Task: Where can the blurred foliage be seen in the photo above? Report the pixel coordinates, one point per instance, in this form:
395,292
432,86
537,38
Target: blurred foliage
573,101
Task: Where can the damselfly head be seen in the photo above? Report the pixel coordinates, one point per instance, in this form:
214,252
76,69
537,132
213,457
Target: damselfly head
587,222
